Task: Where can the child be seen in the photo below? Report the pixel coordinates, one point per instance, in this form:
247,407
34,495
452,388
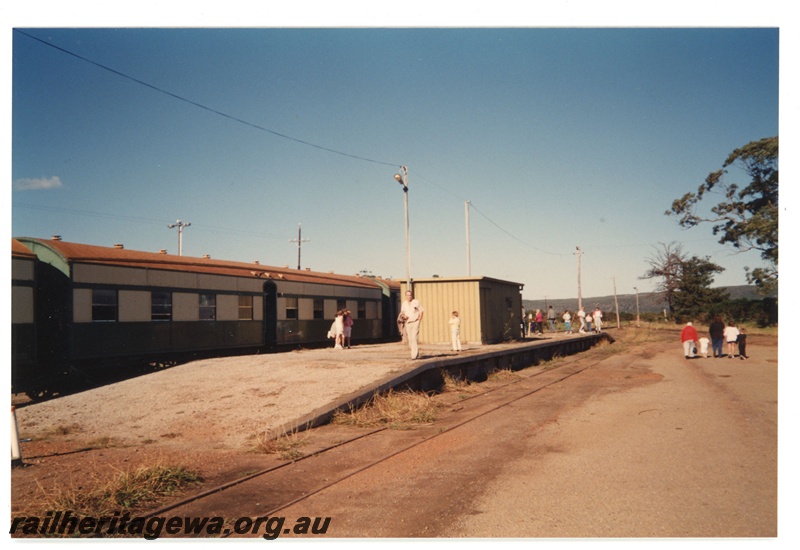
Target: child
704,346
455,332
742,341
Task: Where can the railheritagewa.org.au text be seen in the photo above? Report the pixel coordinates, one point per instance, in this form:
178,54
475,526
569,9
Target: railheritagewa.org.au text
65,523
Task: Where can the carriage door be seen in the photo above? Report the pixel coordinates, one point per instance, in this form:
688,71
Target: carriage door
270,314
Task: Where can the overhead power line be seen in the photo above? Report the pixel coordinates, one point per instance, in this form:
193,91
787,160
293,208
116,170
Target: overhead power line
263,129
151,221
205,107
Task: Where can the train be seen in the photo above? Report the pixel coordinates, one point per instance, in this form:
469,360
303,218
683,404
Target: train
87,307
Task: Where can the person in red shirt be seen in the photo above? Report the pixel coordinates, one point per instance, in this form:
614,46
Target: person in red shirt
689,339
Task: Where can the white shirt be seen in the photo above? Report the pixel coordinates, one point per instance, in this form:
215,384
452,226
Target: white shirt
412,310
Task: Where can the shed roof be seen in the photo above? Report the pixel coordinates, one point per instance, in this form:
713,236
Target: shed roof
464,279
70,253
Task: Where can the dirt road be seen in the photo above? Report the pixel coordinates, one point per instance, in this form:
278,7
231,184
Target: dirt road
644,444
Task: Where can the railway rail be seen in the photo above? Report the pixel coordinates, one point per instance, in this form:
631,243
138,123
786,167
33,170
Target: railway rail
296,480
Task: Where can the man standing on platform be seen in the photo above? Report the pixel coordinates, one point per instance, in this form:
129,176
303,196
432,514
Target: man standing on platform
412,311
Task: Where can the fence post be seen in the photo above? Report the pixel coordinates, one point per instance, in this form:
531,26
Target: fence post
16,456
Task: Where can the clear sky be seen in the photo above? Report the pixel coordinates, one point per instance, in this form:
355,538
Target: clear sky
558,137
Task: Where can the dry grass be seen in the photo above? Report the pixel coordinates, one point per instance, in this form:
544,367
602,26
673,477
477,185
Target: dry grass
285,444
395,410
500,375
124,492
553,362
458,385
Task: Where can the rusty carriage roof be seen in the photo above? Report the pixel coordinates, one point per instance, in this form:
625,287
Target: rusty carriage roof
19,250
70,253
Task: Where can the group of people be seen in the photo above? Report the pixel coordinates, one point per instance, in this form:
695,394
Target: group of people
718,334
590,322
341,329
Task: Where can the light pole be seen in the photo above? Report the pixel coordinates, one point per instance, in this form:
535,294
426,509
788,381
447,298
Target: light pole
578,253
180,225
402,179
637,306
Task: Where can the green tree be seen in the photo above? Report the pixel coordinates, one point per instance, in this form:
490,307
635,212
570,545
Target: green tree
746,218
694,297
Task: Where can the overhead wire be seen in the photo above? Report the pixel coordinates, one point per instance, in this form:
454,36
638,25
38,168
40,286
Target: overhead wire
202,106
151,221
490,220
267,130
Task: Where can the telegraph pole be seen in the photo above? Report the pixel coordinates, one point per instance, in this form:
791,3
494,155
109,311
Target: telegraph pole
469,262
180,225
578,253
616,303
637,305
299,240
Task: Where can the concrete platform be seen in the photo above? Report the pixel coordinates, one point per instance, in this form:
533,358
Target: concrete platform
474,363
227,401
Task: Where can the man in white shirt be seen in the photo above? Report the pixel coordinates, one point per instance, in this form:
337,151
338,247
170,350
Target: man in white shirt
412,311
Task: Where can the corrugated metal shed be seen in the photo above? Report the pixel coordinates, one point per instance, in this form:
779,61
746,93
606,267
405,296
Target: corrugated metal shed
489,308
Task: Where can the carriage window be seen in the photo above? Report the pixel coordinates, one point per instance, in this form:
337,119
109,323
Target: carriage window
161,306
341,303
208,307
319,308
104,305
291,308
362,309
245,308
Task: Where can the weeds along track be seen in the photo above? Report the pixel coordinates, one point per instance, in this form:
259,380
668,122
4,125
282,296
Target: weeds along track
271,490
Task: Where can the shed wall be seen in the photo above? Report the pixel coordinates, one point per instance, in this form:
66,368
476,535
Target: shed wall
489,309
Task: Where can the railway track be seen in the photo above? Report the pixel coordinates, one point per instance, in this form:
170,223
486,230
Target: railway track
271,490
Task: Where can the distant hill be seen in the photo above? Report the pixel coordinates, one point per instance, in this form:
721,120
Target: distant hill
648,301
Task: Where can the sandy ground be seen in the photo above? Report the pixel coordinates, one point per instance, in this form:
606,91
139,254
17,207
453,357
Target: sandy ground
694,455
643,444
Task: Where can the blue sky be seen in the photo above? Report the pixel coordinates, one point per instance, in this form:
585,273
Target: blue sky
558,137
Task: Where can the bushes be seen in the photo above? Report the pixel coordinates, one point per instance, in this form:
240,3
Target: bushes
762,313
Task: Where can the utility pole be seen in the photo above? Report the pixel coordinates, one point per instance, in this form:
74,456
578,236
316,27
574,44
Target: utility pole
637,305
466,214
180,225
616,303
578,253
299,240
